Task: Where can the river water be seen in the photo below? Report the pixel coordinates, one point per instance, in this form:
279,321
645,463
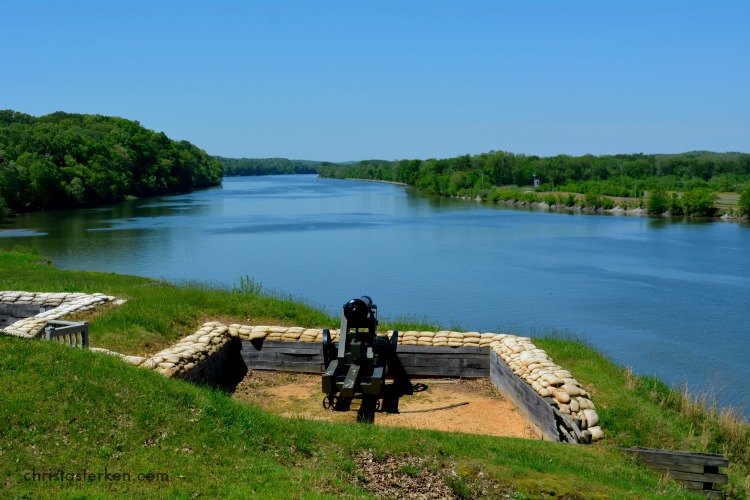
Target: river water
667,298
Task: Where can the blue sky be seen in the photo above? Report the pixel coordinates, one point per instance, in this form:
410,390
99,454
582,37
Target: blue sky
353,80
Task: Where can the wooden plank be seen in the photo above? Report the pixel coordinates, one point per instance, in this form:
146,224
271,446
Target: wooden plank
713,494
456,363
442,365
293,351
697,469
424,349
692,485
705,478
19,311
469,362
444,371
529,403
682,457
296,367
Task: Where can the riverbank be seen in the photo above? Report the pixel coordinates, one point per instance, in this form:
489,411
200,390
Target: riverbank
636,411
518,197
619,209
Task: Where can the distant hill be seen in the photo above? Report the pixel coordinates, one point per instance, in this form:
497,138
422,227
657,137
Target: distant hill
266,166
65,160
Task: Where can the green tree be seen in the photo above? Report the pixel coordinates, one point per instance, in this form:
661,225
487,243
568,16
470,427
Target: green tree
699,202
675,205
68,160
657,201
744,202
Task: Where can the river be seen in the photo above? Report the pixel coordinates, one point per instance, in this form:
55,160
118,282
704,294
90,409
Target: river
667,298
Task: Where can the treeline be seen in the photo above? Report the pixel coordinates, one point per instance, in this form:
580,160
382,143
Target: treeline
497,175
266,166
67,160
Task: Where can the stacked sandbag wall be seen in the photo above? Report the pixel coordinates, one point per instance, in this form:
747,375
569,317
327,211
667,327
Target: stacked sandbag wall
528,362
553,383
57,305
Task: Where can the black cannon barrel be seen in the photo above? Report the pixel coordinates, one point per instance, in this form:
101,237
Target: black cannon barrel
358,309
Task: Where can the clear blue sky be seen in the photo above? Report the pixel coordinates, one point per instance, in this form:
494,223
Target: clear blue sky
352,80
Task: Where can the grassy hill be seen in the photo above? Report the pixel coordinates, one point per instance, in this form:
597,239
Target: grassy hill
72,411
75,411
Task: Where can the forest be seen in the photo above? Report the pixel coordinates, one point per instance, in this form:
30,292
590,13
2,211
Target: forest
682,184
64,160
67,160
266,166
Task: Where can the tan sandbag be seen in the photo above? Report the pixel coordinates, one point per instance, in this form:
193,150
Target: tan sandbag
572,390
591,417
596,433
562,396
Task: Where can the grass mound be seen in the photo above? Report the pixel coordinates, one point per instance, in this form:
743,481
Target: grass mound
67,414
68,411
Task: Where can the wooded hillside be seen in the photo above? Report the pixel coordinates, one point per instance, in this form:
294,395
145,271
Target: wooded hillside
266,166
67,160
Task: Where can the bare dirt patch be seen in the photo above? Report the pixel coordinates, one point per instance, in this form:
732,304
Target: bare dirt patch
436,404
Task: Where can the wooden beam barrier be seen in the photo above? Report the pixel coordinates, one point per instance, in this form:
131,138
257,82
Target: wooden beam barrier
418,361
697,472
529,403
10,313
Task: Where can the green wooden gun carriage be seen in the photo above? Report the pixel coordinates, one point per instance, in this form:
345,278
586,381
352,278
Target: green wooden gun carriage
356,365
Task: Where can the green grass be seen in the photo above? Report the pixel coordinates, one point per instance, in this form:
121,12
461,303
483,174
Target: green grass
73,410
69,409
158,313
644,411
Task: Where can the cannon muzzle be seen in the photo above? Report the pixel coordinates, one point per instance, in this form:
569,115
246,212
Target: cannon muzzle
358,310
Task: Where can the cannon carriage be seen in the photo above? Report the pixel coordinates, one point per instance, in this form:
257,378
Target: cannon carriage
358,363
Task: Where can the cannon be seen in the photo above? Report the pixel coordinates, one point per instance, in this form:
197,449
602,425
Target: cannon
356,365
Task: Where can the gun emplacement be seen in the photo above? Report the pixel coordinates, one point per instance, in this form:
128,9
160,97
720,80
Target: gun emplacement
357,364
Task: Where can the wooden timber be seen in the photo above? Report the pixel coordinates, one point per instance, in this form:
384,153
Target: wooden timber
697,472
418,361
540,413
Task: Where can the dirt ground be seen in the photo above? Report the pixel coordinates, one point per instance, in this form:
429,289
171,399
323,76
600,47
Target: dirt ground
457,405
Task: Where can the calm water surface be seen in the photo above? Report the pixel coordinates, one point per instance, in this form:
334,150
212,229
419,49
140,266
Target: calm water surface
666,298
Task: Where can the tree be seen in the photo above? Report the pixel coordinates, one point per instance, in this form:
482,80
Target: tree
744,202
67,160
675,205
657,201
699,202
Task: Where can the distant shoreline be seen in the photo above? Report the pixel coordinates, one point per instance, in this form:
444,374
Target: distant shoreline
631,212
371,180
